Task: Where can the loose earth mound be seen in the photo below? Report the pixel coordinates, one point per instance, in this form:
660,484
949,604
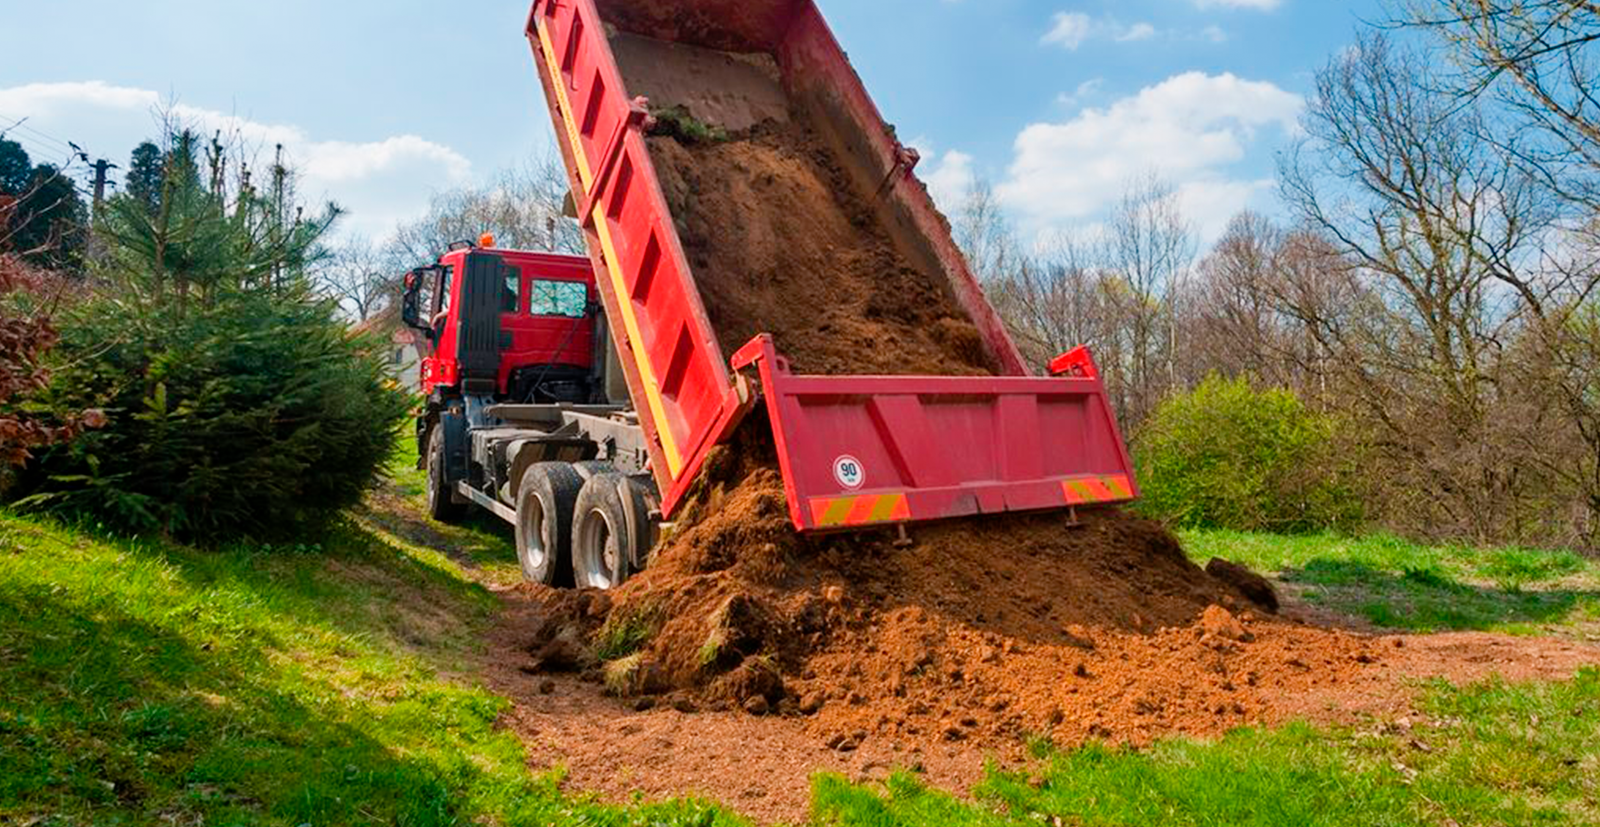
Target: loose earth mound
981,631
781,243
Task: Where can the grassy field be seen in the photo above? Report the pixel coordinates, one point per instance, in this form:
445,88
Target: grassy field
147,684
143,683
1401,585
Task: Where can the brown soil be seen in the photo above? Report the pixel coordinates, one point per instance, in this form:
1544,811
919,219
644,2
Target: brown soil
780,242
1209,672
779,237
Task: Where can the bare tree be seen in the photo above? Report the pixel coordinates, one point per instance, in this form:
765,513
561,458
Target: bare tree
1150,248
1541,60
1446,232
524,208
360,277
983,232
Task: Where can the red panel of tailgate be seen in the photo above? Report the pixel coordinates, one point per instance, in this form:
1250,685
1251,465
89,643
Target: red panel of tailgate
868,450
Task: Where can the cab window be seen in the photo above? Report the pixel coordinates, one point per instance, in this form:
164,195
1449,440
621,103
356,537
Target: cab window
560,298
511,294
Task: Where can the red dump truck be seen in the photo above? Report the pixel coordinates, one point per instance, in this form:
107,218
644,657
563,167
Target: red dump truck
529,419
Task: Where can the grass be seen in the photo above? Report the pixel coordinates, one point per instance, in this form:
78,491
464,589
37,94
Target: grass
1402,585
1496,754
330,683
143,683
626,632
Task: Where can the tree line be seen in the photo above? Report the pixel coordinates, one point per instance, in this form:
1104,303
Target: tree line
1431,285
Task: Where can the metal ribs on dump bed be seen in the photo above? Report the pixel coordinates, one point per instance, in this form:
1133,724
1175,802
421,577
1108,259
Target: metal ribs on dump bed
854,451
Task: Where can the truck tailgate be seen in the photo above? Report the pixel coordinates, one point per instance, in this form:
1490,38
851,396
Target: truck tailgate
858,451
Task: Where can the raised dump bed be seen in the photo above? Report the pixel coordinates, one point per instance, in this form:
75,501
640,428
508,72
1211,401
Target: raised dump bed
748,210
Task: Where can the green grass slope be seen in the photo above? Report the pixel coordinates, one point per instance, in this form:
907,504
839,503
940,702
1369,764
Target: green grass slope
148,684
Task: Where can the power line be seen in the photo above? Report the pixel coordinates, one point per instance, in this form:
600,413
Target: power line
22,125
40,152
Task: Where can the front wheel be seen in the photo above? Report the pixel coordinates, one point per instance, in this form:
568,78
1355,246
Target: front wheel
610,535
442,505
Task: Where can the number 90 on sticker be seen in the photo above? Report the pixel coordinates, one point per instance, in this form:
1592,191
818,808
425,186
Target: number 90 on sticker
848,471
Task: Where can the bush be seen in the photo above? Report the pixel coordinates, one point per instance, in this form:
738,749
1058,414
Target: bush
1227,456
239,404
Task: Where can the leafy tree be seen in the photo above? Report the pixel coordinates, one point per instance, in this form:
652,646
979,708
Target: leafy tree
16,168
240,402
146,170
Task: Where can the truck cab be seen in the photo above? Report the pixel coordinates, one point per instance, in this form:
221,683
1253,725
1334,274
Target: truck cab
527,414
511,326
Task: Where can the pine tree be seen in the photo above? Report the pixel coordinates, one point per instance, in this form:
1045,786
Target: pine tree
239,405
144,176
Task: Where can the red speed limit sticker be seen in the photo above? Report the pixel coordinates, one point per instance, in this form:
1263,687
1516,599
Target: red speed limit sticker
848,471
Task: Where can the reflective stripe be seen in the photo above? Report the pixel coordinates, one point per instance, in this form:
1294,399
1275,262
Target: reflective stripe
867,509
559,81
641,358
1090,490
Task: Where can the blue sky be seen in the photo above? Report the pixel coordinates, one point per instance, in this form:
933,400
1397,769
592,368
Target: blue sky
1056,102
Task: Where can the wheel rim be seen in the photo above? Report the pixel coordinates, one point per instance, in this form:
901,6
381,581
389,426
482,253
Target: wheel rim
535,550
600,553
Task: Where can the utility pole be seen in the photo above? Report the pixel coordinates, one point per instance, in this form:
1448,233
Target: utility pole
101,168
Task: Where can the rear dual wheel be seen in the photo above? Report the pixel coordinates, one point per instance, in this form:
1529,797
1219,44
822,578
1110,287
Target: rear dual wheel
545,501
587,525
611,531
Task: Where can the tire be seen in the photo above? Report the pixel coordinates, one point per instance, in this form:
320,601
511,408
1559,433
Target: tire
442,505
593,467
545,502
604,550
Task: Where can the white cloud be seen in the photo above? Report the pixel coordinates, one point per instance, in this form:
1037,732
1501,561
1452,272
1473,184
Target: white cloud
381,182
951,180
1258,5
1138,31
1214,33
1069,30
949,176
1085,90
1191,129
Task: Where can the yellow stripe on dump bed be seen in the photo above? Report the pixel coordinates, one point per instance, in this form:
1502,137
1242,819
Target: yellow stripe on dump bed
641,357
613,263
559,83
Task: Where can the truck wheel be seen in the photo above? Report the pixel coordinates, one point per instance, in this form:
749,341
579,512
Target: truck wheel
604,547
545,502
593,467
442,505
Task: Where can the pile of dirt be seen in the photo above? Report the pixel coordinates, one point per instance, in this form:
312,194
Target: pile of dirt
982,631
781,243
779,237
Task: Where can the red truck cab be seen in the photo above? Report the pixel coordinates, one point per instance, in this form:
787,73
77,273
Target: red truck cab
509,326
